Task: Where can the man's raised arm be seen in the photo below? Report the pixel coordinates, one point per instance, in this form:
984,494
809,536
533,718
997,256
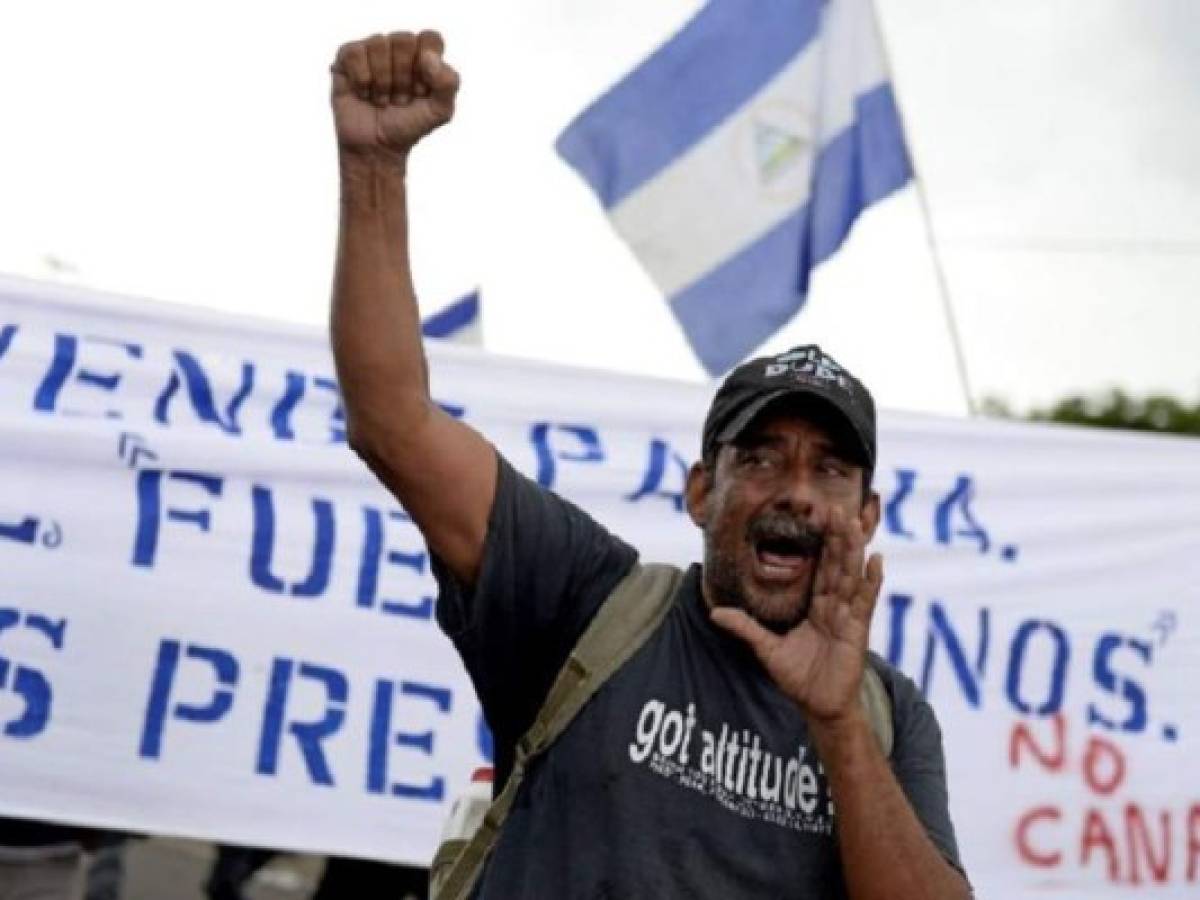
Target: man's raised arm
388,92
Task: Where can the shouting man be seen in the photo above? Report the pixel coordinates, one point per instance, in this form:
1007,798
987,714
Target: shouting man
731,756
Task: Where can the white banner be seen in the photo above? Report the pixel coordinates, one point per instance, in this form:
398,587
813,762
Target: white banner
214,623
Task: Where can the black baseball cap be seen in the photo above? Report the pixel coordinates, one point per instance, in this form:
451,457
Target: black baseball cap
806,372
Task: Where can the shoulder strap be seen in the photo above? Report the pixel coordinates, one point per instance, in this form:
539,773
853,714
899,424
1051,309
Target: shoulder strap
628,616
878,706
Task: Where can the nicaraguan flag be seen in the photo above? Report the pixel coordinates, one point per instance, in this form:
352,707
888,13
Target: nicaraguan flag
736,158
459,322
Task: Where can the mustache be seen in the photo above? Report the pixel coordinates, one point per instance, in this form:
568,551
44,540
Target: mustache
779,526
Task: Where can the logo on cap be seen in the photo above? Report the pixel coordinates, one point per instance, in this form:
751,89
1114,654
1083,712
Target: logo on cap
808,364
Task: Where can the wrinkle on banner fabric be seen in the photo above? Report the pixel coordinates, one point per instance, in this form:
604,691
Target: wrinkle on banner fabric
214,623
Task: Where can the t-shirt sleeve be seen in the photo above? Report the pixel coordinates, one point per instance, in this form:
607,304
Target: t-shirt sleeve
546,568
919,762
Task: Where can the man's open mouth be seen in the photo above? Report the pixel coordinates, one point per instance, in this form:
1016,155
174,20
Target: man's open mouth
785,552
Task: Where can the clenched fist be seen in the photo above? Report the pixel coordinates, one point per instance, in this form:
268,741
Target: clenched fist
389,91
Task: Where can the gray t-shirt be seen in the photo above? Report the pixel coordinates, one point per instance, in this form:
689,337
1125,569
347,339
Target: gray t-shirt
689,775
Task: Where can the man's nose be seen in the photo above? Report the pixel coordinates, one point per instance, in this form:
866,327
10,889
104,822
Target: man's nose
797,493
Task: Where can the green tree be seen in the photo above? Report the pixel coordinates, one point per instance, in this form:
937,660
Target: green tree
1115,409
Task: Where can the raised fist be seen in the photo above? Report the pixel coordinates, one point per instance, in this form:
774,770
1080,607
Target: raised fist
389,91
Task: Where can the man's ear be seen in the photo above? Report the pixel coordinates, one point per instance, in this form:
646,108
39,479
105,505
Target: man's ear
699,486
869,517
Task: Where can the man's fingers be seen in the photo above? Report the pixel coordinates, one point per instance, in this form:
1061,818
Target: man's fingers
430,40
852,560
403,45
822,611
443,80
379,56
846,585
829,568
821,584
439,79
352,62
396,68
867,595
841,566
740,625
849,543
340,85
821,581
428,54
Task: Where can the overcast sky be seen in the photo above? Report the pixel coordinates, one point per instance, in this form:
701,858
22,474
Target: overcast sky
183,152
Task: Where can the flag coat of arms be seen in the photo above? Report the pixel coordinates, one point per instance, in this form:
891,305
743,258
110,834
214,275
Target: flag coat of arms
736,158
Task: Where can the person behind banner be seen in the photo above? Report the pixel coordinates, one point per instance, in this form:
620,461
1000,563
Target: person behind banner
40,860
730,756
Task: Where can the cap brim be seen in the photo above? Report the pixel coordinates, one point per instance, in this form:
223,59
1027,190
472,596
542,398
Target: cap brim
751,411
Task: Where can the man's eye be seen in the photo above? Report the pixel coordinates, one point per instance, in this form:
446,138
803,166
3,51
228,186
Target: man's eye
835,467
756,459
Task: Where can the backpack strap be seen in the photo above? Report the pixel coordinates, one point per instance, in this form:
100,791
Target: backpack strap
878,706
628,616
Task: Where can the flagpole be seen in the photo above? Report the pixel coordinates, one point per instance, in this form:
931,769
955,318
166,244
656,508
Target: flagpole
960,358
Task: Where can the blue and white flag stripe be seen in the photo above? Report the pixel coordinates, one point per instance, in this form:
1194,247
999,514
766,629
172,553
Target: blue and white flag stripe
731,223
457,322
714,65
741,302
